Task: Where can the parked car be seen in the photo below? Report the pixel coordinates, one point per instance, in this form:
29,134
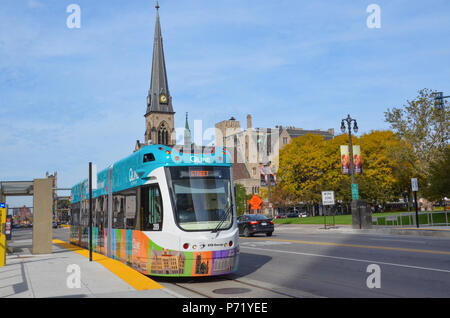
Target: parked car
293,215
303,215
250,224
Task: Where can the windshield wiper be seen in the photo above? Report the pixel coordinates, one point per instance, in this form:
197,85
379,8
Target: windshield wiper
224,217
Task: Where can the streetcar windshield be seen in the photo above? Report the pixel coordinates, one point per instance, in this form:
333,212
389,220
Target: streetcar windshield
202,197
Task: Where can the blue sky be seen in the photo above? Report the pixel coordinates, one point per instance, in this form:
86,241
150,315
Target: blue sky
70,96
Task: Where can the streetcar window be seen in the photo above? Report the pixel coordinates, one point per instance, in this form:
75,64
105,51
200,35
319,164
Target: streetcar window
152,208
202,197
149,157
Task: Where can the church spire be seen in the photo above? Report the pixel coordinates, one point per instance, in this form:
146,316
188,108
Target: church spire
158,99
159,117
186,125
187,134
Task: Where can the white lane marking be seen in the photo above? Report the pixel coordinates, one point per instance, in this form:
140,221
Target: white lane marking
263,243
352,259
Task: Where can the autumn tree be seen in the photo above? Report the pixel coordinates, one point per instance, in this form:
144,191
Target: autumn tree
302,165
310,165
386,166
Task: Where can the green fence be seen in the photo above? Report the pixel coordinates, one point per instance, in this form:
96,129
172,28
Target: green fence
432,218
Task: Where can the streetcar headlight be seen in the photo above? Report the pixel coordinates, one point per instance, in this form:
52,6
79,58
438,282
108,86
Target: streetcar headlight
185,246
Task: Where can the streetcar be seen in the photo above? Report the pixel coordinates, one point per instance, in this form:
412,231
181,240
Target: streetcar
163,212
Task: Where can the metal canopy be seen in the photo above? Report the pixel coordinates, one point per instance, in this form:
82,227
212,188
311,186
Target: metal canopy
16,188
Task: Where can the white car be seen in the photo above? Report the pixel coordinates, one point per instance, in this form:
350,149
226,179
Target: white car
303,215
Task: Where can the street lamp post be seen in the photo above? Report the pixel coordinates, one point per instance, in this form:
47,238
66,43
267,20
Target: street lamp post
361,217
349,121
439,96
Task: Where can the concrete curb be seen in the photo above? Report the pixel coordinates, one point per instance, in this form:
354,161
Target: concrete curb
435,232
416,232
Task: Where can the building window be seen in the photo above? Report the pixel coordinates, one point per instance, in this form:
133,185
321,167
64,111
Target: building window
285,140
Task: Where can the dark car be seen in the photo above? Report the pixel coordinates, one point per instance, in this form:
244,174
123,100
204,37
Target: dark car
250,224
293,215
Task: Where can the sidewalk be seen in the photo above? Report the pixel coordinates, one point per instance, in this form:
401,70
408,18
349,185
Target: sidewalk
55,275
436,231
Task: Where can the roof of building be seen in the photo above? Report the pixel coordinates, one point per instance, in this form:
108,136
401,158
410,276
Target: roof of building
301,132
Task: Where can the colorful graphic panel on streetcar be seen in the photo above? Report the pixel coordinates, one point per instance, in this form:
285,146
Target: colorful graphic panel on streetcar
172,212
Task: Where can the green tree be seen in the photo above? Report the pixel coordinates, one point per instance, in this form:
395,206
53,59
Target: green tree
424,126
241,199
438,181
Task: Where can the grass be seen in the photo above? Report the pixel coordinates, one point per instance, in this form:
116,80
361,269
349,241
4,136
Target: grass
346,219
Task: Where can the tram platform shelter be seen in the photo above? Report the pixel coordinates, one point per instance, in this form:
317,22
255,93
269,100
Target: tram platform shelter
42,191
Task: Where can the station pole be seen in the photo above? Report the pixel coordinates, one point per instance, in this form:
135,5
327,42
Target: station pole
90,211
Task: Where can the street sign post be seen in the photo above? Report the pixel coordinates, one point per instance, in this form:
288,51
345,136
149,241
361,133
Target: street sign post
355,191
328,197
415,188
414,184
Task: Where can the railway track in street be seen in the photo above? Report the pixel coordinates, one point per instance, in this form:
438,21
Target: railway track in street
227,288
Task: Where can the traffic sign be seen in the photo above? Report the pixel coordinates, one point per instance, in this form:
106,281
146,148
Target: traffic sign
355,191
328,197
414,184
255,202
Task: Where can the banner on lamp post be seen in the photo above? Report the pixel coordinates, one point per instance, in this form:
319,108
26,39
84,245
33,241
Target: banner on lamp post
345,159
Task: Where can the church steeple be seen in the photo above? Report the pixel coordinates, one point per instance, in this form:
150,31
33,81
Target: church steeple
159,99
159,116
187,134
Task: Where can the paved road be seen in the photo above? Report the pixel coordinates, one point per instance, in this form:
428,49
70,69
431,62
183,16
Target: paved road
335,264
298,263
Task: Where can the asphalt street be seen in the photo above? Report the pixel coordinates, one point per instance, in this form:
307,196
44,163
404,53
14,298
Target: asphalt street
298,263
336,264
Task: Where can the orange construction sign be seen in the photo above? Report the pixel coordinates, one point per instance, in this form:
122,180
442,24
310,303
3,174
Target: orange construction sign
255,202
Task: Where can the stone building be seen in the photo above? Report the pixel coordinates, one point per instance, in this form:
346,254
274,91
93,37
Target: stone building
289,132
255,150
